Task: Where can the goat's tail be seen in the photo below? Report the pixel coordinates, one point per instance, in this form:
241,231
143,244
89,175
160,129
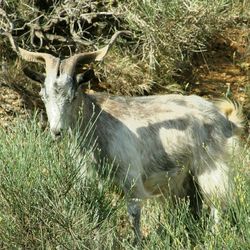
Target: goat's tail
233,111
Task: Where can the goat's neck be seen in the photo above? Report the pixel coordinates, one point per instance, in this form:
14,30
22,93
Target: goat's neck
87,109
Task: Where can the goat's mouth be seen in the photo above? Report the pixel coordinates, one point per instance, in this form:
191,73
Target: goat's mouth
56,137
59,134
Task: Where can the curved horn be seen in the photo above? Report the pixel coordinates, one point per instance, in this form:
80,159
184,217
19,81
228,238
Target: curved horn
50,61
68,65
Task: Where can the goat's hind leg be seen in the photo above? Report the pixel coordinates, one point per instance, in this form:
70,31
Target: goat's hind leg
195,196
216,188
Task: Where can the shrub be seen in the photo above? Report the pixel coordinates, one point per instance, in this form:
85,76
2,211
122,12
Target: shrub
45,204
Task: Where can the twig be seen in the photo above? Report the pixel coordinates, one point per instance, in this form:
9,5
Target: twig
90,16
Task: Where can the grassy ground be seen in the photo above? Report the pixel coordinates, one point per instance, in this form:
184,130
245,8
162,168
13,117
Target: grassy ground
45,205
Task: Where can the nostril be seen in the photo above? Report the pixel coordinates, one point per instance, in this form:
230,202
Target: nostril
56,133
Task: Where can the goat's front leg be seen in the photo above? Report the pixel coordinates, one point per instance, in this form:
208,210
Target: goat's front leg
135,193
134,211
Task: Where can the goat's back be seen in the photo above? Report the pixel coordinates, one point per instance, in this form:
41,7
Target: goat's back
162,134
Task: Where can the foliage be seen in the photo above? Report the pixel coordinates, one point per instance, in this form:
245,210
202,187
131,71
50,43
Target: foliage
167,34
45,204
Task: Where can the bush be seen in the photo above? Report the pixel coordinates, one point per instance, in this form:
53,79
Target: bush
46,205
166,35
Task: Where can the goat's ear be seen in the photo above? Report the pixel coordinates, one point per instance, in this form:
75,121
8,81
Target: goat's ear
85,77
35,76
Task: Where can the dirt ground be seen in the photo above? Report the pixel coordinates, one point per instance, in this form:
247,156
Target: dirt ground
16,99
223,70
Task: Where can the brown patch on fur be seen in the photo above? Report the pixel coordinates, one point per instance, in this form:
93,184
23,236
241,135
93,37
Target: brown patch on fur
100,99
233,112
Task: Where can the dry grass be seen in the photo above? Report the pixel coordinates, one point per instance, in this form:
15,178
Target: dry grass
166,36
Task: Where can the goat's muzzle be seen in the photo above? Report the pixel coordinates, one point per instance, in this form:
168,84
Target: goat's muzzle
56,134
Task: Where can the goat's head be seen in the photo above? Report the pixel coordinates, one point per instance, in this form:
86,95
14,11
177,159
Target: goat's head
60,85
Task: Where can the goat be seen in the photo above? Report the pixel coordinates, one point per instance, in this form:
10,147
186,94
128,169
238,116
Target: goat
165,144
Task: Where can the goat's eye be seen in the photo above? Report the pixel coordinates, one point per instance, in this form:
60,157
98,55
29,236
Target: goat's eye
57,91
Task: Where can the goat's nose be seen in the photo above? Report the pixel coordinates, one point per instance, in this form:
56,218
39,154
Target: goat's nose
56,133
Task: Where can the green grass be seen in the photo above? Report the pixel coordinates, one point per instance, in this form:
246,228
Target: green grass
45,204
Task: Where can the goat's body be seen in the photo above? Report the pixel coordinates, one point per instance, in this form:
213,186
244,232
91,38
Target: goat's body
157,141
170,144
